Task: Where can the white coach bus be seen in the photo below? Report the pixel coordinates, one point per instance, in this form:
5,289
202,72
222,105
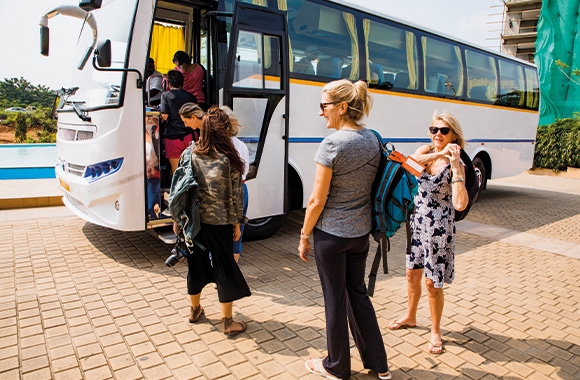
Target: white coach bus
268,59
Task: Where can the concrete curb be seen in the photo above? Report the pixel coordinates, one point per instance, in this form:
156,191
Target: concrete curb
29,202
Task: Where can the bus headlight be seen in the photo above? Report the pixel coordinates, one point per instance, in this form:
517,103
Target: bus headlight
102,169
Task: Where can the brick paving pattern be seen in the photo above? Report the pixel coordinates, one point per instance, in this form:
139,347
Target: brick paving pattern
78,301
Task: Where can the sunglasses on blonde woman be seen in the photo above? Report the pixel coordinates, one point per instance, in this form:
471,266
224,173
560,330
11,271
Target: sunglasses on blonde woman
323,105
444,130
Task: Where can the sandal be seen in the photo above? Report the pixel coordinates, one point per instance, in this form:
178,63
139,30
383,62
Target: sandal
318,369
436,349
228,323
196,312
385,376
395,325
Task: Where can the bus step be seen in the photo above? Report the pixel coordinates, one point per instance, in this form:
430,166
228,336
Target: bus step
166,235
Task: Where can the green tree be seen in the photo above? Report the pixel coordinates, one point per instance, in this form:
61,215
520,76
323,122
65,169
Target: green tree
21,128
16,92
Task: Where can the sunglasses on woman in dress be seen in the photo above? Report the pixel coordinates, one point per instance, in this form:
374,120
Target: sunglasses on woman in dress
443,130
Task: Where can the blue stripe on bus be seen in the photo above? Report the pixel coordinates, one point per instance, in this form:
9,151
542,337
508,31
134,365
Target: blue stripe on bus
307,140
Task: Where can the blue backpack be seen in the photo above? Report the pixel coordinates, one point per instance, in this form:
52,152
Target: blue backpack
392,205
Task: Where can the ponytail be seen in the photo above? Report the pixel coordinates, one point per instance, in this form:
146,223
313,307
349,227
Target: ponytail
356,95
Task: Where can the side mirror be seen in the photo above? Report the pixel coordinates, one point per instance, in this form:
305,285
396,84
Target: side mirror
90,5
44,40
103,54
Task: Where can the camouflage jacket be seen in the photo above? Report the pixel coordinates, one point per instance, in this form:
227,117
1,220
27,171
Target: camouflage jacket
220,192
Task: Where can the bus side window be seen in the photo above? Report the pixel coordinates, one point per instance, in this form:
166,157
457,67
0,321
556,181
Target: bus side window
443,67
390,50
532,89
481,76
511,85
323,40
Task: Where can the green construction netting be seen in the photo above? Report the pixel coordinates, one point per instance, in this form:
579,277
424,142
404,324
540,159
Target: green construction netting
558,39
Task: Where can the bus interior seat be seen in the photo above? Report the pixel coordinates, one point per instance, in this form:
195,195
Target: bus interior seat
440,84
377,69
402,80
478,92
345,72
389,79
329,67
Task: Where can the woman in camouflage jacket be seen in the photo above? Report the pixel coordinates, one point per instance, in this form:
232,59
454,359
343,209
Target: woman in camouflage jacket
218,171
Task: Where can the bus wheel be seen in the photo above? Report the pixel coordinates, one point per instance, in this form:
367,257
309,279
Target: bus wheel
480,172
262,228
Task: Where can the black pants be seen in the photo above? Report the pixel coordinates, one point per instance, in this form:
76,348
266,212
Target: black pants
341,266
216,264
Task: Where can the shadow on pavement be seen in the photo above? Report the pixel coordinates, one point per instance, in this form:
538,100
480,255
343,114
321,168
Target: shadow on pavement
518,208
139,249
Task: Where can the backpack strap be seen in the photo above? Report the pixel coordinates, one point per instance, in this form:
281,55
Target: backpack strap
384,245
408,228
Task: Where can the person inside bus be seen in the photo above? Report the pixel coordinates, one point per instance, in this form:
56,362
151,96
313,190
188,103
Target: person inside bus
152,167
304,66
339,216
153,84
441,192
218,168
193,74
245,156
177,136
191,115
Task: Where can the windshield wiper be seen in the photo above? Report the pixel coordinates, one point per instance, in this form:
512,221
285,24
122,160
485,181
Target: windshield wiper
75,105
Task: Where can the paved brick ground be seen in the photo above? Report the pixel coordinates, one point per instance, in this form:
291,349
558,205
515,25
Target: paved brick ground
80,301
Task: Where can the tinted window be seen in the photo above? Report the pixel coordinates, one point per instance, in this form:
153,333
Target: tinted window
323,41
443,73
392,56
481,76
257,63
511,84
532,89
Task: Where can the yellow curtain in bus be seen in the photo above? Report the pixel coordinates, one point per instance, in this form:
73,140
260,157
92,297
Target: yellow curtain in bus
459,91
411,64
367,29
263,3
351,27
283,6
424,44
531,84
166,40
521,85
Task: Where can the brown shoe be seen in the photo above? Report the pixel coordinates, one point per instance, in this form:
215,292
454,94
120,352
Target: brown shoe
196,312
232,328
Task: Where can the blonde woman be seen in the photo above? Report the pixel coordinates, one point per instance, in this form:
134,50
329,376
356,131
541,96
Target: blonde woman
441,192
191,115
339,217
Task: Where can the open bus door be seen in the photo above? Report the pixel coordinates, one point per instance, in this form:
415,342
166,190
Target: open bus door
256,88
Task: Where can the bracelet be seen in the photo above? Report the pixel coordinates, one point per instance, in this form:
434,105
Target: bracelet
458,179
303,235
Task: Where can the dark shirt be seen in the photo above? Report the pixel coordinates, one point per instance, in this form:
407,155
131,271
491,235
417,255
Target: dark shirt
171,102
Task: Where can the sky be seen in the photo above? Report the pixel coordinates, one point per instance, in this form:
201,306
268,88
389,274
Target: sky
470,20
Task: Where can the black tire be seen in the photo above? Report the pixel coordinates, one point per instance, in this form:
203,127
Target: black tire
258,229
481,175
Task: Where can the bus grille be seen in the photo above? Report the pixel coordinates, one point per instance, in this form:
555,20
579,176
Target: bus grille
77,170
74,135
84,135
67,134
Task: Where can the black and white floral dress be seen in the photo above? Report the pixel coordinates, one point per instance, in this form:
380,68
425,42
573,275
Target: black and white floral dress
433,228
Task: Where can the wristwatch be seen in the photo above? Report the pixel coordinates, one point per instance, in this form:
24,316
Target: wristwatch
303,235
457,179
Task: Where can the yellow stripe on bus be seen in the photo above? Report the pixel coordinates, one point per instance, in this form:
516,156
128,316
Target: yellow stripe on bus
405,95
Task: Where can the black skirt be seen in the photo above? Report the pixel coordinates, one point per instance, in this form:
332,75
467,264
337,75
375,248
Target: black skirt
216,264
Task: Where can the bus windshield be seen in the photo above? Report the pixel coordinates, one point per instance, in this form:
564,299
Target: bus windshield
102,88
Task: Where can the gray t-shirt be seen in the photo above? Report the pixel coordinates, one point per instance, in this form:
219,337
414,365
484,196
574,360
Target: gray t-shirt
353,156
